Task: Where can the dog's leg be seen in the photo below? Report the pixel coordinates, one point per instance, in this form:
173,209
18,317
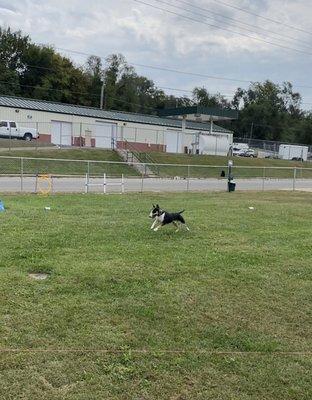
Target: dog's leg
183,224
157,228
186,227
177,226
154,224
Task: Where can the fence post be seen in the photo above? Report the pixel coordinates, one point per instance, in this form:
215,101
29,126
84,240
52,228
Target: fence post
80,135
87,184
36,187
22,174
188,178
37,129
122,184
142,182
263,178
294,180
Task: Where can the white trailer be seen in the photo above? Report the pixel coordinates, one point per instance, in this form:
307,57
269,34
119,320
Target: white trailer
293,152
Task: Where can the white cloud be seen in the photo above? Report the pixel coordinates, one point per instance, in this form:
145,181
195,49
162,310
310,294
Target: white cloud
149,36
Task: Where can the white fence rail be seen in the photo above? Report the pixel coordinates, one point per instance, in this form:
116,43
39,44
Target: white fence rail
21,174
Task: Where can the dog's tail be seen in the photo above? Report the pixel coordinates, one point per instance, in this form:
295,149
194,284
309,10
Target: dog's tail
181,212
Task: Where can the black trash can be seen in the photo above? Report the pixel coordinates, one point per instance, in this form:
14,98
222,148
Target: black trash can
231,186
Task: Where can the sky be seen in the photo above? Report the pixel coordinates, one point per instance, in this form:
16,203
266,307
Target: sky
218,38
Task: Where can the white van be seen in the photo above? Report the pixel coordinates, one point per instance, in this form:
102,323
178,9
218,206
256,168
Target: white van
240,148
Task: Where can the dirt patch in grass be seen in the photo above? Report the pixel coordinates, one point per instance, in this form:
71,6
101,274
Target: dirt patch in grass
38,276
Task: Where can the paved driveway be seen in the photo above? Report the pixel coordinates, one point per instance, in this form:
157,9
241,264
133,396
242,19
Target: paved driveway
77,185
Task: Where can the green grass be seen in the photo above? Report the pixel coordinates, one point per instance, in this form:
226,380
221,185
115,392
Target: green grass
6,144
9,166
239,164
239,281
205,169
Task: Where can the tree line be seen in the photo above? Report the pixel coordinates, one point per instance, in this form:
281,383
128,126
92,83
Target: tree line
266,110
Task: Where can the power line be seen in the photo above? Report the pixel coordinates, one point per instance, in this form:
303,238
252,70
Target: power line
262,17
177,71
66,91
283,36
165,69
223,29
191,91
90,94
114,98
156,86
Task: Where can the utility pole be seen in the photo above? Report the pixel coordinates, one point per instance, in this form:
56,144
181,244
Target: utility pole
251,132
102,96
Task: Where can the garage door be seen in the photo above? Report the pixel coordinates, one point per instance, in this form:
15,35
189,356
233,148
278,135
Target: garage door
173,141
105,134
61,133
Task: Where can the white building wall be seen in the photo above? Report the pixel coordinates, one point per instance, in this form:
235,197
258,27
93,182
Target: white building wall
86,127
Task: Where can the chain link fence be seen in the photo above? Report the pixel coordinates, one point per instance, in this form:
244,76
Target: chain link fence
64,134
110,135
21,174
269,147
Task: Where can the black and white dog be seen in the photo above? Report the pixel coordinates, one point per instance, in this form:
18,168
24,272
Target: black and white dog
162,217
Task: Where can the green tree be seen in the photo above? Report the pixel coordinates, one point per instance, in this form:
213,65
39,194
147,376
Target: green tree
50,76
267,110
95,75
12,47
202,97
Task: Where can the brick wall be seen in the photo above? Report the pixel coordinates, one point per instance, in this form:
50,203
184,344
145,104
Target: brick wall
44,138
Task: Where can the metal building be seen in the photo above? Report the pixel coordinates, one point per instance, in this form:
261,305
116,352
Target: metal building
72,125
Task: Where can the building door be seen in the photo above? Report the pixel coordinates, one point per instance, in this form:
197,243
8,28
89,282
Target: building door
105,135
173,141
88,137
61,133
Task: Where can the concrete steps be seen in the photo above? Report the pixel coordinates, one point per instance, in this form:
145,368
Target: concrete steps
131,159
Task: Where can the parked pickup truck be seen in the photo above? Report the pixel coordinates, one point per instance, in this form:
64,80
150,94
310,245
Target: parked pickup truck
11,129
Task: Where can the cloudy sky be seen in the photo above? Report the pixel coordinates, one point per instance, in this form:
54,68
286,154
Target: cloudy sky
273,40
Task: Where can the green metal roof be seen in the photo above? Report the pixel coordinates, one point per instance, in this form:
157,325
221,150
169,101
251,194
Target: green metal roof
70,109
209,112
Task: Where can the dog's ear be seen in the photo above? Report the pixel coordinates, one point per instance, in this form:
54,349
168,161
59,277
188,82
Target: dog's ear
153,205
157,206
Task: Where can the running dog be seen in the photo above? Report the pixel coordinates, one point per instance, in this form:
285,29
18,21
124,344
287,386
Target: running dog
162,218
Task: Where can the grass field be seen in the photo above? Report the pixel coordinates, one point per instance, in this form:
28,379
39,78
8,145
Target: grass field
128,313
9,166
273,168
165,158
6,144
